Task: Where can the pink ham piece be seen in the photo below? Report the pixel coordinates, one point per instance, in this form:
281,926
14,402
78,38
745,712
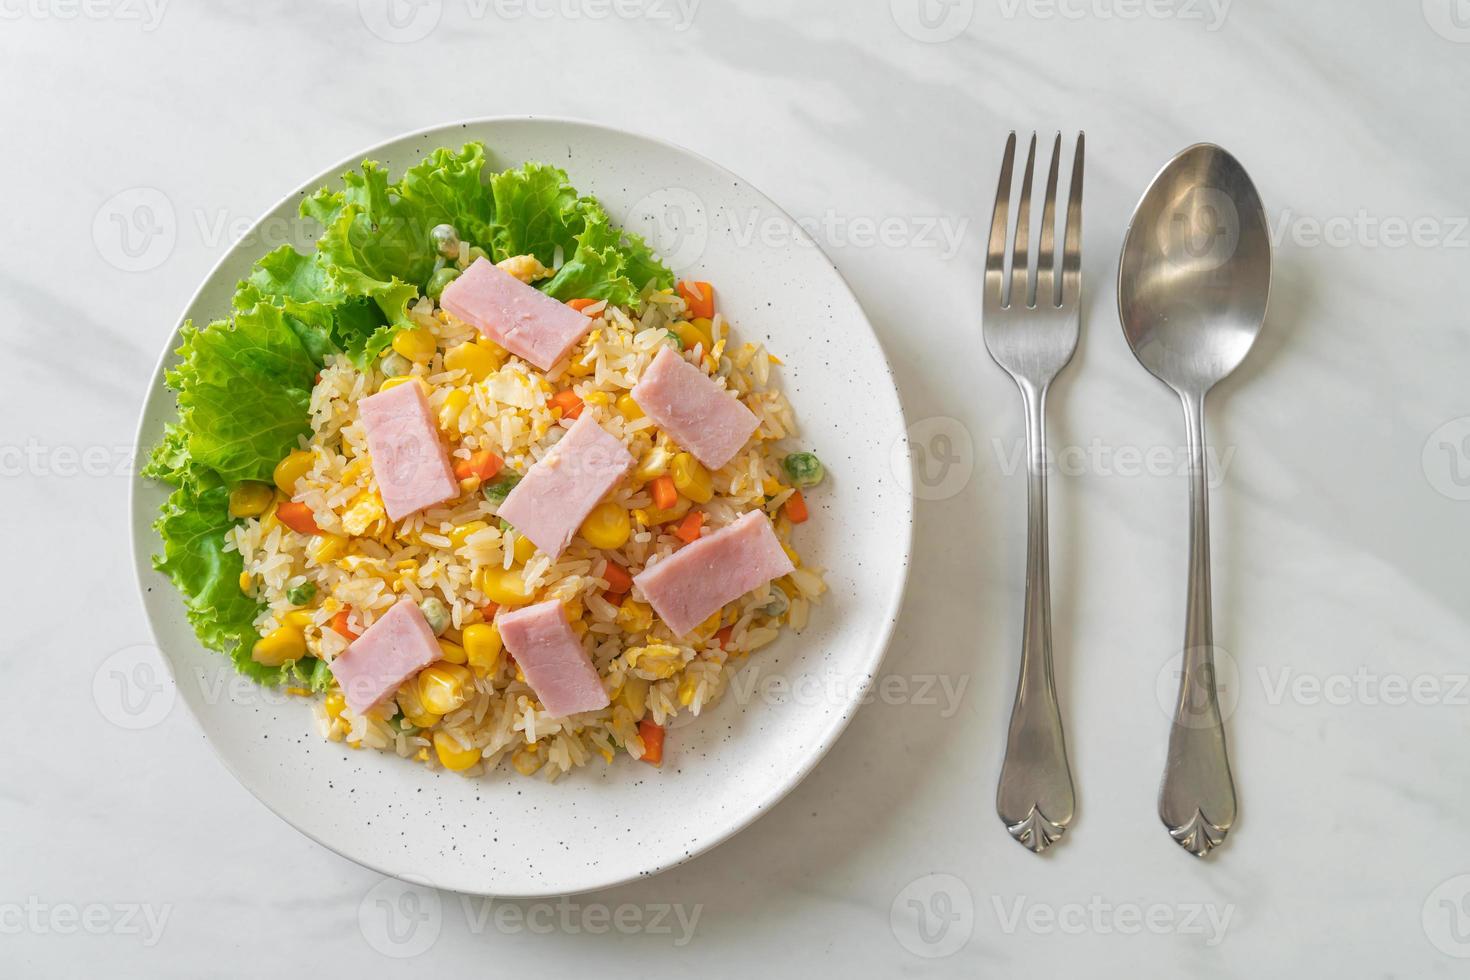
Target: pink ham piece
372,667
551,657
518,317
702,417
557,493
692,584
409,461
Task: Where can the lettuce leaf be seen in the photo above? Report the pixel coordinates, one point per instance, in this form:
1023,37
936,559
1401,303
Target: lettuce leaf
537,212
193,526
608,264
244,387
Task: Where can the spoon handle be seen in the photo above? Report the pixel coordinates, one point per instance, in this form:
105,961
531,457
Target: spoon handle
1035,797
1197,798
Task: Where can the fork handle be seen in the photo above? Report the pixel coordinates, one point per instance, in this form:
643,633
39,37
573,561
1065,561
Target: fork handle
1197,797
1035,798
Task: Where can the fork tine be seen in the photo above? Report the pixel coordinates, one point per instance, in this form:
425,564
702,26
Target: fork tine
1020,254
1072,243
995,253
1046,260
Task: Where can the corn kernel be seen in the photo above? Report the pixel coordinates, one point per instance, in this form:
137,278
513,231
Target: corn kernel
524,549
691,478
417,344
452,755
791,553
505,587
599,398
691,336
461,533
245,582
476,360
482,646
296,464
628,407
451,652
412,705
250,499
607,526
390,383
279,646
299,618
687,687
654,463
327,547
334,703
454,405
442,687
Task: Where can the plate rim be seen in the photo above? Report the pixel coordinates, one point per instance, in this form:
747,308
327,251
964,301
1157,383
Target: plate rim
900,455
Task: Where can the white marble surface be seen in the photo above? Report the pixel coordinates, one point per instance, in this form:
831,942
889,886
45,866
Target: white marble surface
1340,521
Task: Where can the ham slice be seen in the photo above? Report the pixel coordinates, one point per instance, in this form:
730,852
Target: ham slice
387,654
552,658
692,584
409,461
702,417
518,317
557,493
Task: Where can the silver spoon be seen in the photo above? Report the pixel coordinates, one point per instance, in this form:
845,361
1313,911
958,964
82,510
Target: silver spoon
1193,281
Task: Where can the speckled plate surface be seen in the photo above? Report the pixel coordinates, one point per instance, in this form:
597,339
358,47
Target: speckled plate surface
503,834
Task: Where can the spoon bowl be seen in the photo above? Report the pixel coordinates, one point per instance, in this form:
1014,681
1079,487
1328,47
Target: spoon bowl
1195,273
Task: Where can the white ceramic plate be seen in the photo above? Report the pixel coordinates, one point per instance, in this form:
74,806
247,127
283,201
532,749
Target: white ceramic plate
507,835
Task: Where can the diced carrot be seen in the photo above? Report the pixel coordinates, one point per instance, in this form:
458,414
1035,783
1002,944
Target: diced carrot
618,579
700,296
615,598
483,464
339,625
796,511
688,529
297,517
581,305
568,402
665,496
489,609
653,741
723,635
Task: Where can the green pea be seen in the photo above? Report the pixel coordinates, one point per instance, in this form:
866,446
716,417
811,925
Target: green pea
446,240
498,489
301,595
436,614
439,280
803,469
476,252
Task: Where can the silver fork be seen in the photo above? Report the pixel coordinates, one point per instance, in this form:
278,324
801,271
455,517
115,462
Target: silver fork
1031,330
